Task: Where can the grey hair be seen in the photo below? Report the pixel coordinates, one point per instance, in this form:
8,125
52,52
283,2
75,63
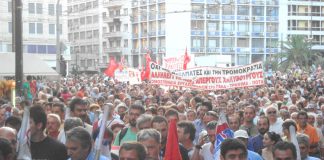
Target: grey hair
80,134
303,139
71,123
272,107
142,119
146,134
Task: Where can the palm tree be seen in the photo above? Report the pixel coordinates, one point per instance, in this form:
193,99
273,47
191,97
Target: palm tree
296,51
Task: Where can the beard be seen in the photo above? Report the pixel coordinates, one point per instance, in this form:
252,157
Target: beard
132,123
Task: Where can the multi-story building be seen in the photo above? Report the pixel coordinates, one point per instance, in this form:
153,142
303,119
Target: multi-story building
304,18
247,30
39,28
85,33
118,33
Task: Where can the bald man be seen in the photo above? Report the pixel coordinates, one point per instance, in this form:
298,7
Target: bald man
11,135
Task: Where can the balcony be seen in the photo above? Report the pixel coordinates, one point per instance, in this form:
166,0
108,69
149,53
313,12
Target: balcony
196,16
213,50
272,18
161,16
243,33
113,3
228,49
213,16
272,50
113,50
161,33
228,17
257,18
197,32
152,34
114,34
257,34
272,34
197,1
257,50
197,50
228,33
213,34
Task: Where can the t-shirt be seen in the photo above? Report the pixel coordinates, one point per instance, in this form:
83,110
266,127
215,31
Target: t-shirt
48,149
130,136
205,152
26,86
254,156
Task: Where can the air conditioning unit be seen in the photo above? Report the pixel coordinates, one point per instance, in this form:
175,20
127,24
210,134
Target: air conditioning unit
253,18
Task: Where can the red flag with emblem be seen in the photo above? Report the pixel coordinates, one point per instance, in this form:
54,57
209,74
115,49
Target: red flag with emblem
110,71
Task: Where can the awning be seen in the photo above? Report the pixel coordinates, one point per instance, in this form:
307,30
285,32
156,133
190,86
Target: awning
32,65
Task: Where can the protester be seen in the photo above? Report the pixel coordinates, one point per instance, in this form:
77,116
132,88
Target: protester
256,143
284,150
269,140
303,142
134,151
151,139
243,136
233,149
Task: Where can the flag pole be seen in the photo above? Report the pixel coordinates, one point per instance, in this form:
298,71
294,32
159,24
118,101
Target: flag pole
97,148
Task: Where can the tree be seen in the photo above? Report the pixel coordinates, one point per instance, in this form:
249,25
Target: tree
296,51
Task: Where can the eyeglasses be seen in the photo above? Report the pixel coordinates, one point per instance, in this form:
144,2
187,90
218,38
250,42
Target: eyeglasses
272,112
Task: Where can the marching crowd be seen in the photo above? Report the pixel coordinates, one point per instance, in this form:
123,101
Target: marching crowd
282,120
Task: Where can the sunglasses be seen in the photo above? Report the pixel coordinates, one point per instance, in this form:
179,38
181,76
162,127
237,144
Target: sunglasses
272,112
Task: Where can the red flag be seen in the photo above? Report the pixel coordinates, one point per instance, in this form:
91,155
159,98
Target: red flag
110,71
147,67
121,64
142,73
172,151
186,60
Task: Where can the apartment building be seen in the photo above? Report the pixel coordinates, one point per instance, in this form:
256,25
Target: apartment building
39,28
85,34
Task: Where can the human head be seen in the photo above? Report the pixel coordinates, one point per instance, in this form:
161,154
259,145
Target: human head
13,122
71,123
78,143
292,109
242,135
249,113
311,118
286,124
294,116
272,113
53,123
10,134
134,112
79,108
234,122
186,131
302,118
270,139
132,150
263,125
201,110
211,130
210,116
2,114
151,139
144,121
284,151
303,142
160,123
59,109
191,115
233,149
6,152
38,120
172,114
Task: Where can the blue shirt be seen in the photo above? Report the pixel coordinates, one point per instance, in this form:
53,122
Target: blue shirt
255,144
311,158
254,156
199,125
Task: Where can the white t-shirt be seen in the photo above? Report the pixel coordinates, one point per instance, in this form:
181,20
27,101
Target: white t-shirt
206,153
277,127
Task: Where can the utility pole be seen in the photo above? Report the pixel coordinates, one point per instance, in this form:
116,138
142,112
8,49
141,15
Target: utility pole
18,45
13,22
58,47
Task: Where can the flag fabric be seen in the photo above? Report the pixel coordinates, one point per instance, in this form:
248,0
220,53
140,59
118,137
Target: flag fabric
23,137
110,71
222,132
99,147
147,66
142,73
186,60
122,64
172,151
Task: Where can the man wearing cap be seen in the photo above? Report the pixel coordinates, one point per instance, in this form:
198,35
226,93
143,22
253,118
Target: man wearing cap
243,136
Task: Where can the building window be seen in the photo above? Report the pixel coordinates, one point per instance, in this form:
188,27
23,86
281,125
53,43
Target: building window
76,36
89,19
76,8
125,27
83,49
95,4
82,7
118,43
272,27
89,34
39,28
243,42
41,49
70,37
61,29
31,8
39,8
125,43
10,6
257,11
32,29
10,27
228,10
59,10
51,10
118,28
243,59
82,35
272,11
125,12
196,43
228,26
257,58
213,26
89,49
95,33
95,19
243,10
96,48
88,5
82,21
243,26
213,43
51,28
257,27
111,29
257,43
228,42
89,62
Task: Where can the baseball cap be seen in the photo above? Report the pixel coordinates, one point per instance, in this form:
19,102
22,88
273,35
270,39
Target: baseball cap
241,134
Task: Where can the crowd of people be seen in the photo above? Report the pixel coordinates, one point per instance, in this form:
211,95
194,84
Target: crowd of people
282,120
